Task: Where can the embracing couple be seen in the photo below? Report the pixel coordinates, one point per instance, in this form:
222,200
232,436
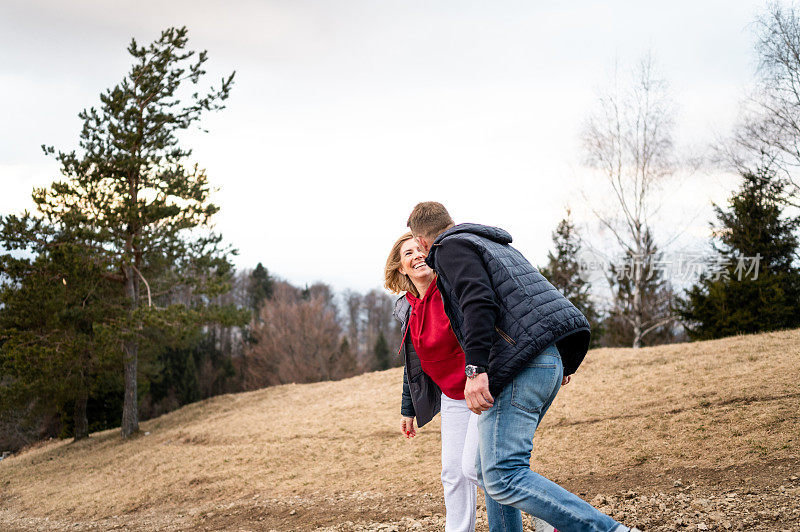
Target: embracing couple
488,342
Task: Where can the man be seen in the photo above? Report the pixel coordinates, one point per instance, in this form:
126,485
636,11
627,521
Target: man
522,339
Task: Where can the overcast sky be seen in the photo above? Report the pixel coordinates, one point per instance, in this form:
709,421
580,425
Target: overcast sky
344,114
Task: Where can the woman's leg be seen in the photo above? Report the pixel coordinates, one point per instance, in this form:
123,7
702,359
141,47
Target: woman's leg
501,518
460,495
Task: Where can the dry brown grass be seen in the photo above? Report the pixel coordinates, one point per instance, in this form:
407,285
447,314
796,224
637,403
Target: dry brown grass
634,412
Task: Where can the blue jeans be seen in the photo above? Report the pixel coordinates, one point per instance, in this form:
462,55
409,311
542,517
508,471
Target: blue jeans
505,434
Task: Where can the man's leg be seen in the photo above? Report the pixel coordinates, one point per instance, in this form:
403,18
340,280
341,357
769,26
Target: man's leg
460,495
506,432
501,518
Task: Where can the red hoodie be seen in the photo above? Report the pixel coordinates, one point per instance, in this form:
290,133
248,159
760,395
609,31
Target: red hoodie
439,352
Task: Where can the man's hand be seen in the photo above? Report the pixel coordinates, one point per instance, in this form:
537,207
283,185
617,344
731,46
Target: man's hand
407,427
476,392
566,380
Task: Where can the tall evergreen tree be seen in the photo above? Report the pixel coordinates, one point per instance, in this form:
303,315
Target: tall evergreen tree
757,284
346,360
563,271
382,353
657,298
52,298
260,289
148,211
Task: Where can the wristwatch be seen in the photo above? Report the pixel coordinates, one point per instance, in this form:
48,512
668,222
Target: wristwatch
473,371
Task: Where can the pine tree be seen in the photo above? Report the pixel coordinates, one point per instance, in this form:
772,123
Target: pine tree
260,288
53,299
658,319
346,360
563,271
752,233
381,353
148,212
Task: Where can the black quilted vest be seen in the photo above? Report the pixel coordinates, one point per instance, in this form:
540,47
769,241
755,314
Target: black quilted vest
532,312
424,394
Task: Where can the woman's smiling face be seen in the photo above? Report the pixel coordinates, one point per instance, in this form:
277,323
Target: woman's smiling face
412,262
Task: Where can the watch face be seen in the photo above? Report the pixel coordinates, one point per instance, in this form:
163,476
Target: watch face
470,371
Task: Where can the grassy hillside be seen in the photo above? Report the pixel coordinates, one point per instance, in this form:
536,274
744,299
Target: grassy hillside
643,433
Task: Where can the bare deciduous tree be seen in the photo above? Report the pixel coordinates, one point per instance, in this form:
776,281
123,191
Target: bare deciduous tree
298,339
368,316
628,141
768,134
354,317
378,307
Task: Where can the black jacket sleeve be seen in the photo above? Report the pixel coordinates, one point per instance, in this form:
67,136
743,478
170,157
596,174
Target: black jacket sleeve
406,405
461,265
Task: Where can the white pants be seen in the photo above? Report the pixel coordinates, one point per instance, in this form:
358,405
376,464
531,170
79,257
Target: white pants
459,477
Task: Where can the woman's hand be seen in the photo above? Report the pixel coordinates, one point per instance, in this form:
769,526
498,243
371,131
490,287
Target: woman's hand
407,426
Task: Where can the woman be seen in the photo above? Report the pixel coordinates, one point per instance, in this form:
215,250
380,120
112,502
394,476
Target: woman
434,371
433,381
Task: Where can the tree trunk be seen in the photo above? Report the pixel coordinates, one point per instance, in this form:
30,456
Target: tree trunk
80,419
640,260
637,319
130,407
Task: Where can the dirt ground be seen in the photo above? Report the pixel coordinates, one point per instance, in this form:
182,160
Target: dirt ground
700,436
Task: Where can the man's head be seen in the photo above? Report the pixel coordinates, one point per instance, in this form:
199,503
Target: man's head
428,220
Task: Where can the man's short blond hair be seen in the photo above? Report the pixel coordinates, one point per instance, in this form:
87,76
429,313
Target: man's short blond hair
429,219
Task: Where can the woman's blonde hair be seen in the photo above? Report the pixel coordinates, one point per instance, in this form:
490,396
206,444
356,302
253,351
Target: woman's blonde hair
394,281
